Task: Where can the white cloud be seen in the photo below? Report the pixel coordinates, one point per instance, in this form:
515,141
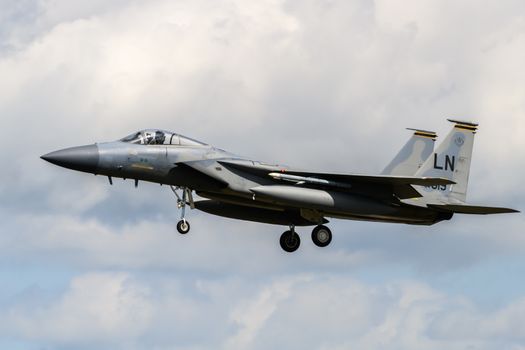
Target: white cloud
155,244
317,84
96,307
146,238
115,310
254,314
232,71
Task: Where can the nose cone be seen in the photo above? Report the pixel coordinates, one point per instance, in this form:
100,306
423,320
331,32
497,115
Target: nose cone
82,158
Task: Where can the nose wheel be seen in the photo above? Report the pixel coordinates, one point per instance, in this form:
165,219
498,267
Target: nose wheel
183,226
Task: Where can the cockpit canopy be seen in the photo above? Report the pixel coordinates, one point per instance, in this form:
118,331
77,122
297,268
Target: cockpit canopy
160,137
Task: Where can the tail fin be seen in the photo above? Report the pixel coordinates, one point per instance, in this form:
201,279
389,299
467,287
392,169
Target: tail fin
413,154
451,160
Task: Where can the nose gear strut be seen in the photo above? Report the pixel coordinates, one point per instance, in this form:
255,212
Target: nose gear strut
183,226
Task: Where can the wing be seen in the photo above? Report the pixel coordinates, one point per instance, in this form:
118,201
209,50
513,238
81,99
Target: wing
197,173
371,185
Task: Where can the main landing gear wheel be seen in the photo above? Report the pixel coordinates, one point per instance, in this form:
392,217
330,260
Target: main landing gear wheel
321,236
290,241
183,227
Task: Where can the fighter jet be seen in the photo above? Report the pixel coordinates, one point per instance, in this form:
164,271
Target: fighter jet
420,186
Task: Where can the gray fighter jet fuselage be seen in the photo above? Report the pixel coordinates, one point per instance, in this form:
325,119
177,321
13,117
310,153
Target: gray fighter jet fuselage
245,189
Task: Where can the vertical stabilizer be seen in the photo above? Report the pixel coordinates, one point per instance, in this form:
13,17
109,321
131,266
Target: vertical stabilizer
413,154
451,160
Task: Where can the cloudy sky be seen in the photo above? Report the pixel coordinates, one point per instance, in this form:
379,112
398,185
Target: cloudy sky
319,84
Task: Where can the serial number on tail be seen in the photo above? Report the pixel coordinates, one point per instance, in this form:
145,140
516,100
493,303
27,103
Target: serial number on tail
436,188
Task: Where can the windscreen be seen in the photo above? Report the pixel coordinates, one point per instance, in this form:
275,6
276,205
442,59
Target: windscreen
160,137
148,137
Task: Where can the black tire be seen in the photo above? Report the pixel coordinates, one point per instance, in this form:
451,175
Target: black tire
183,227
290,241
321,236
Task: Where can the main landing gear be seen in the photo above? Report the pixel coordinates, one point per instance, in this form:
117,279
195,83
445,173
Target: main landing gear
290,240
321,236
183,226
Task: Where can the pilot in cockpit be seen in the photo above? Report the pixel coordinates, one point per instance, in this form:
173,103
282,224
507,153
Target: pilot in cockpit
154,137
149,138
159,137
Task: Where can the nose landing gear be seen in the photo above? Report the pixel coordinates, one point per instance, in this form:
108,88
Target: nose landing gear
183,226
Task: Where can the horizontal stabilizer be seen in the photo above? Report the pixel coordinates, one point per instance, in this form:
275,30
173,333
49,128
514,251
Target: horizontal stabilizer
471,209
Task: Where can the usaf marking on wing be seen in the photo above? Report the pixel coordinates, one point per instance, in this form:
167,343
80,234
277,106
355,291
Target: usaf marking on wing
419,186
